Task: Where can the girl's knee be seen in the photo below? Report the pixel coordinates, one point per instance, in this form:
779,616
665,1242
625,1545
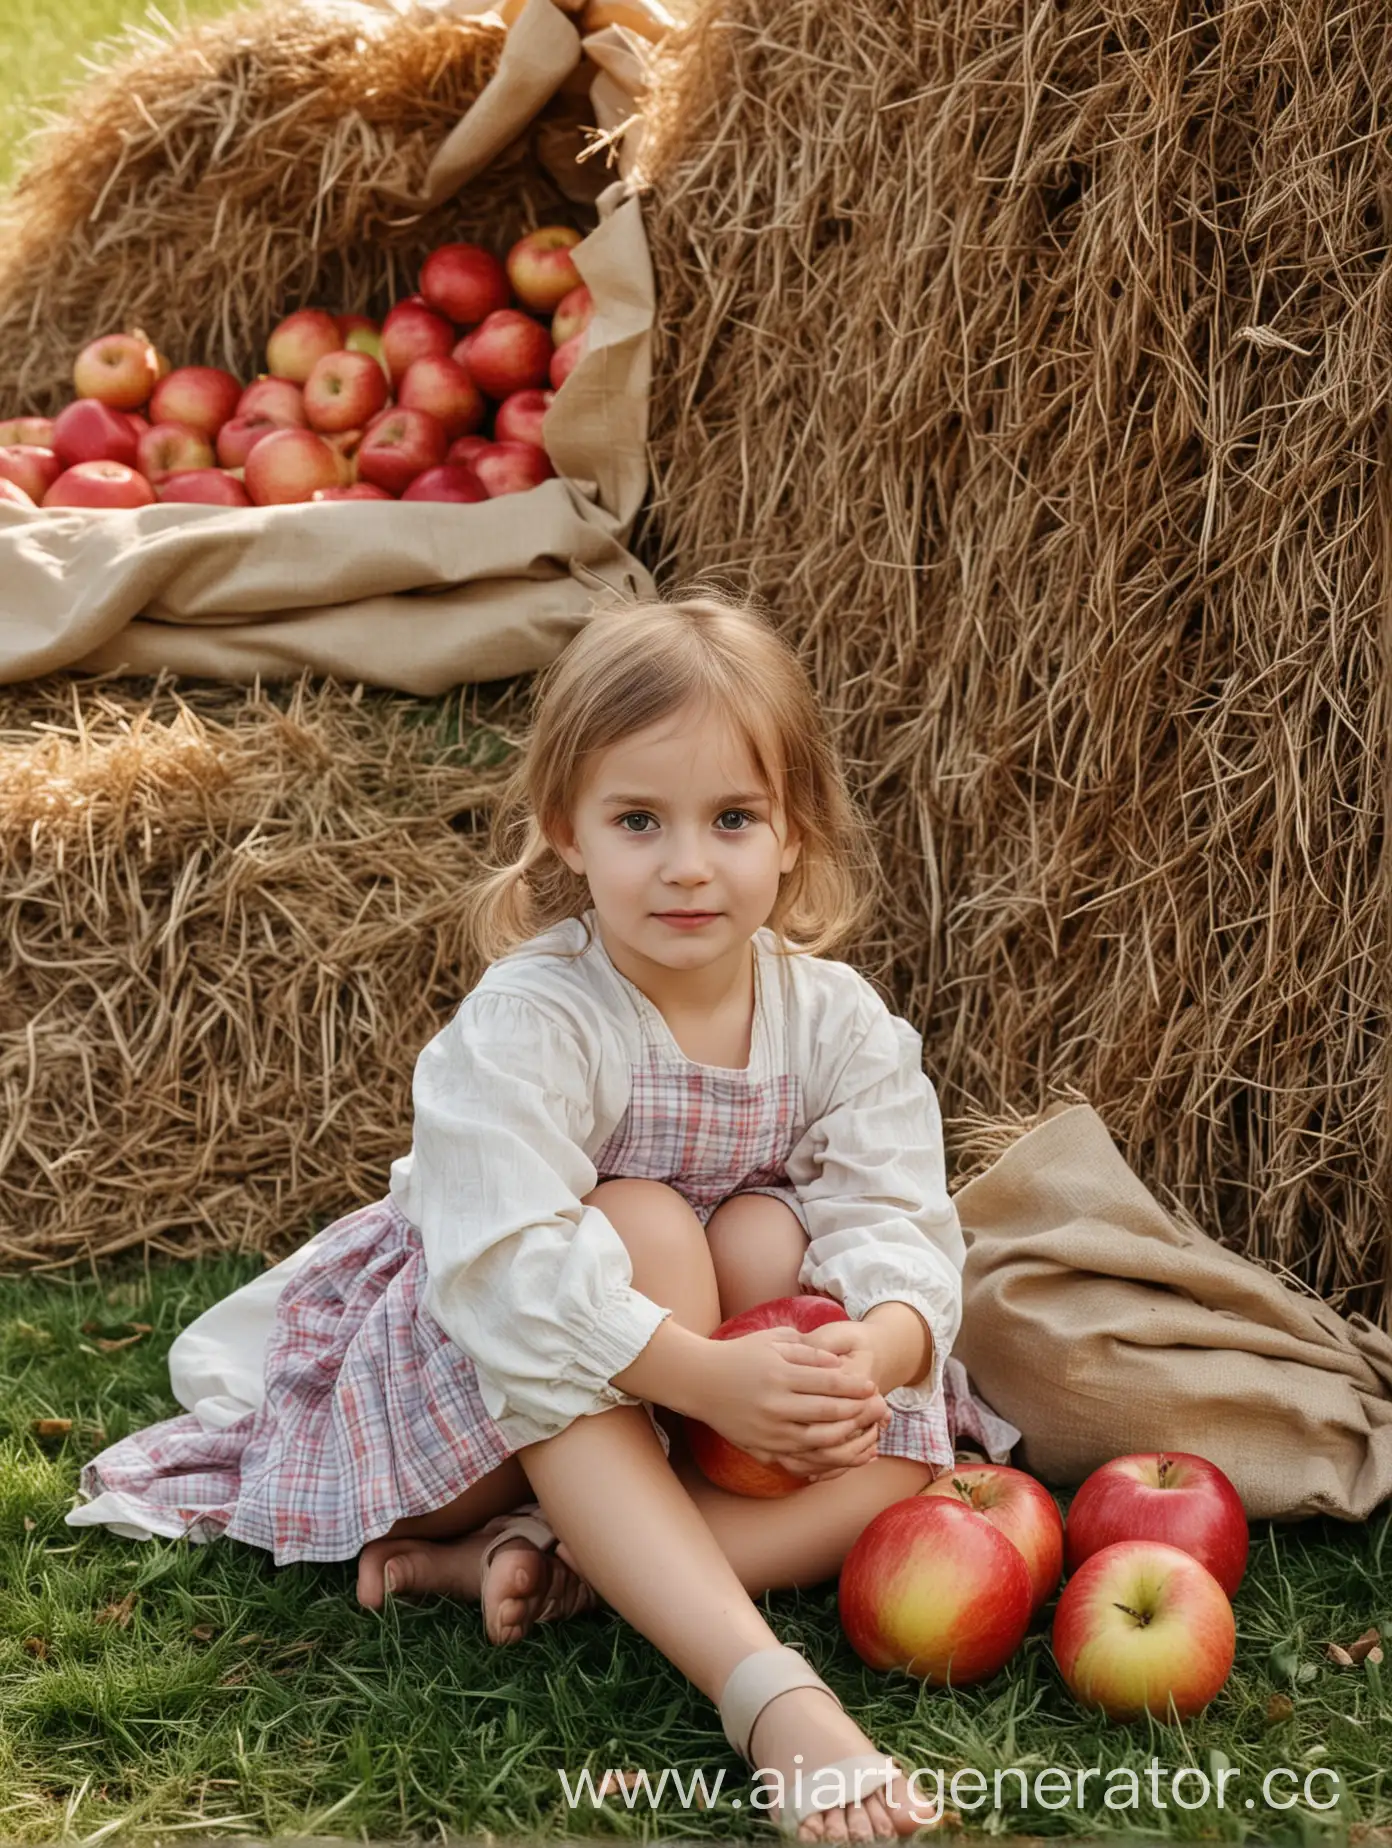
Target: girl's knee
667,1243
757,1245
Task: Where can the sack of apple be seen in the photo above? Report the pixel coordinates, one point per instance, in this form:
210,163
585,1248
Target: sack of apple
945,1584
445,401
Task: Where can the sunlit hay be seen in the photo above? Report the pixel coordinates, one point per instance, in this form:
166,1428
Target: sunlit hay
227,927
1034,363
214,179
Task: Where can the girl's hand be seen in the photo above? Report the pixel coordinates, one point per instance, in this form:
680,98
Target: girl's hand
784,1400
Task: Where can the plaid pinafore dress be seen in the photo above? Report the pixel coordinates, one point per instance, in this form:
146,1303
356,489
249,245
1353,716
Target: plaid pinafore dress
372,1414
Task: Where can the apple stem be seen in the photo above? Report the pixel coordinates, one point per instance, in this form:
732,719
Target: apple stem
1142,1617
1161,1467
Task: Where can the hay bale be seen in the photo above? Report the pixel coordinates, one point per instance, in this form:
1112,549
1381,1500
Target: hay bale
1034,364
229,924
217,176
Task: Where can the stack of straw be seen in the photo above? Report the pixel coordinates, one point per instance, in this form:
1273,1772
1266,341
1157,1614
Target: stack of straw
1034,364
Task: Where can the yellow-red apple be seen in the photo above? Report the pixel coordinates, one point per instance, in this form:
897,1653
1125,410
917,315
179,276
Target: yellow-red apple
360,490
464,282
345,391
511,468
451,481
299,342
465,448
208,487
172,449
12,495
1024,1511
240,435
281,400
399,445
1169,1495
90,431
1141,1624
520,417
100,485
203,396
354,324
120,369
29,467
541,269
573,316
506,353
934,1588
37,431
288,465
440,385
411,332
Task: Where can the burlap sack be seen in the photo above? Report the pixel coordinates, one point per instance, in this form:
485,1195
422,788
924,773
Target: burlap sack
417,596
1100,1326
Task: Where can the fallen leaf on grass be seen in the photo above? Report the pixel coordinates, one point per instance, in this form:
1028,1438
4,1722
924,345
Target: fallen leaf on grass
29,1524
1350,1655
119,1614
36,1647
618,1780
1279,1707
203,1632
111,1344
51,1427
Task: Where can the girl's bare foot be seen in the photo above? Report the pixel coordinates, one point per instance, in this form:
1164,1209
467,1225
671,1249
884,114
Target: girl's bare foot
803,1729
522,1585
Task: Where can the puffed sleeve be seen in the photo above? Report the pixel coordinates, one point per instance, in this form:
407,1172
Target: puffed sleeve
534,1286
871,1176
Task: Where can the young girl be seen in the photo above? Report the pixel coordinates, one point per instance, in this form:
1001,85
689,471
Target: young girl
659,1106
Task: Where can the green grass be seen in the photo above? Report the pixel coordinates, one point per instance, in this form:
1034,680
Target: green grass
239,1699
42,43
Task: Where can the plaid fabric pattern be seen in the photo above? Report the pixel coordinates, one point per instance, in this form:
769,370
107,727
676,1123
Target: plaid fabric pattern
372,1415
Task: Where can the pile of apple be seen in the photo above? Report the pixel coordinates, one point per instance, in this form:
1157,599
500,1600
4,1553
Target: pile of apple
946,1583
346,410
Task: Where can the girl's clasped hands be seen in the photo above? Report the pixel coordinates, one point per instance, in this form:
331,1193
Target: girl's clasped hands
805,1400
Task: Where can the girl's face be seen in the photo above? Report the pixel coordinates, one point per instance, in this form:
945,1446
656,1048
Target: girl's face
676,819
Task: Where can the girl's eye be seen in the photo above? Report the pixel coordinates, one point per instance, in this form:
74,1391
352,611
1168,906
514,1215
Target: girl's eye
643,815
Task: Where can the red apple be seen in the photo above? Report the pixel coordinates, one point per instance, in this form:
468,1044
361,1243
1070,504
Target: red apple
240,435
344,391
540,267
398,446
35,431
1141,1624
12,495
141,425
360,490
100,484
288,465
90,431
1024,1511
203,396
520,417
210,487
281,400
411,332
300,341
564,360
354,324
440,385
932,1587
511,468
172,449
573,315
120,369
715,1456
464,282
465,448
451,481
506,353
29,467
1168,1495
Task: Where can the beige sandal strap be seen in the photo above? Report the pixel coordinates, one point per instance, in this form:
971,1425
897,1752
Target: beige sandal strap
524,1523
754,1682
870,1767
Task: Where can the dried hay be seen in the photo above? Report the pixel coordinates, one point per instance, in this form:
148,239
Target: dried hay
214,178
1034,364
228,924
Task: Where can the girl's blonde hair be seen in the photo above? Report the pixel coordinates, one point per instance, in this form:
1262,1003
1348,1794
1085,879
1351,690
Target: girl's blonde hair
629,667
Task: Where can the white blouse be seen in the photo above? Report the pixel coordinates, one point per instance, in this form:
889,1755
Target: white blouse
525,1084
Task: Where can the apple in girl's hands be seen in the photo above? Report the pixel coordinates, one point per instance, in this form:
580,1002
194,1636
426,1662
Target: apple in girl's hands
1021,1507
725,1463
1169,1495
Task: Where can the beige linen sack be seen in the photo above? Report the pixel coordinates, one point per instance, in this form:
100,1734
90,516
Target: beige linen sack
1099,1325
417,596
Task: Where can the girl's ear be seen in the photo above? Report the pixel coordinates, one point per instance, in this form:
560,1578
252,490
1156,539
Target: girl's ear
561,840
